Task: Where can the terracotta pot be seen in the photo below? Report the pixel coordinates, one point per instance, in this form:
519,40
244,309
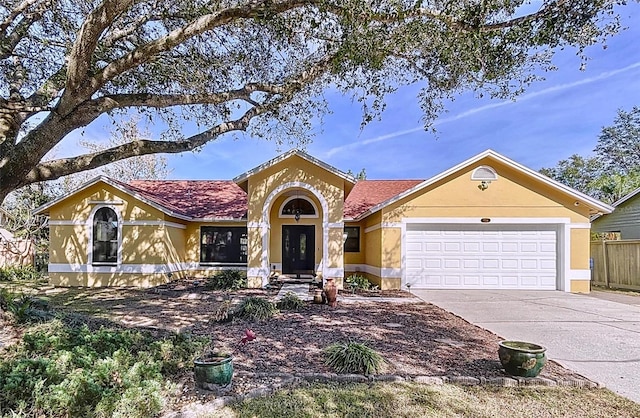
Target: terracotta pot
522,359
317,296
331,291
215,369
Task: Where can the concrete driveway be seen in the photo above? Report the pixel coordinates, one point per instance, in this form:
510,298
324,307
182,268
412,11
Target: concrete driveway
596,335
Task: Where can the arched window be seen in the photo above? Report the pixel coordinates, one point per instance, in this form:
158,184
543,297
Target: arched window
105,236
298,206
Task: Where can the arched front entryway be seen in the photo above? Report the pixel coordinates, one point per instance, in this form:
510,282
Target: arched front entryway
300,230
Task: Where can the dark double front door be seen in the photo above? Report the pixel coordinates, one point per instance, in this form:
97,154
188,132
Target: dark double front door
298,243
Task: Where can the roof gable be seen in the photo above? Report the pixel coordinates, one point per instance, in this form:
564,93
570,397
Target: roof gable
595,204
242,178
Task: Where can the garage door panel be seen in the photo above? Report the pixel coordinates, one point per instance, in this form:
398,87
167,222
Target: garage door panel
490,247
481,257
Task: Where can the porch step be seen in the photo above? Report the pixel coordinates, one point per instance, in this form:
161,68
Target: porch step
293,278
299,289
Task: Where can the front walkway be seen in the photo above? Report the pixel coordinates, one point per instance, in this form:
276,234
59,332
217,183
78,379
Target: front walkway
591,335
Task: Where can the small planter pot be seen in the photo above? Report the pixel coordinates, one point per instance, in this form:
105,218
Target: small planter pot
213,370
521,358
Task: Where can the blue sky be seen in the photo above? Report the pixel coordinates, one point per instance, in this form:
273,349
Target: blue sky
554,119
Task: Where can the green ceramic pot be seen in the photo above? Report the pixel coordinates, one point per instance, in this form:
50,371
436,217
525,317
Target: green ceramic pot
215,369
522,359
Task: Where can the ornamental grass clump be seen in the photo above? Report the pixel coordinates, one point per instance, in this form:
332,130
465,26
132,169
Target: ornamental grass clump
290,302
227,280
353,357
255,308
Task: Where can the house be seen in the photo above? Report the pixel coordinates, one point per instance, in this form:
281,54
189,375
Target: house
624,221
486,223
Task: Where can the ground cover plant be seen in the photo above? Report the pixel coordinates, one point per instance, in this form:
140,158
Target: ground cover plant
71,370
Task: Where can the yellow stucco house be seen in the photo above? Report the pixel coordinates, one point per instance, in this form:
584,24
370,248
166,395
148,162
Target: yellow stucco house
487,223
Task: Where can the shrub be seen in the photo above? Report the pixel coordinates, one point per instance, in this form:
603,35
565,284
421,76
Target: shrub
290,302
23,308
353,357
255,308
357,281
19,273
227,280
61,370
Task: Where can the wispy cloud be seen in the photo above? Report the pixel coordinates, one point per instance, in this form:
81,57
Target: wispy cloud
525,97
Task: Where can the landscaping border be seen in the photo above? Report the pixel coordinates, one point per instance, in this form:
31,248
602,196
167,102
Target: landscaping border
286,380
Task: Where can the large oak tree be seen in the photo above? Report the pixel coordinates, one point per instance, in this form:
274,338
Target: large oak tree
258,65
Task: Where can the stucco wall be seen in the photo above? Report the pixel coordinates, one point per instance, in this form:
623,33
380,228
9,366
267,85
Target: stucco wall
268,188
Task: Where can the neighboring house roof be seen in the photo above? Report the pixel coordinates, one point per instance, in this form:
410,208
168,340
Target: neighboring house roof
618,202
244,176
198,199
369,193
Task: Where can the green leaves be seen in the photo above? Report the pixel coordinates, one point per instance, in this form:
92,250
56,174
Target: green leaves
353,357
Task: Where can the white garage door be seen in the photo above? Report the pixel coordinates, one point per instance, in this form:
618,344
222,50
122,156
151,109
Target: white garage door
481,257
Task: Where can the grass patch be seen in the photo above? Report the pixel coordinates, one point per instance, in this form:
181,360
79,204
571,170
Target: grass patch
64,370
414,400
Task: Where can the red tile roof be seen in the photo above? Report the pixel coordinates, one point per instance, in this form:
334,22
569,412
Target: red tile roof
201,199
223,199
368,193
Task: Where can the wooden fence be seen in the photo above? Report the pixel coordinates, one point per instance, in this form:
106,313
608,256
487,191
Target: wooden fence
16,252
616,264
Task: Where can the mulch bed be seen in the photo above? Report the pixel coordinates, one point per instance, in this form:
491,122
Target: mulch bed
415,338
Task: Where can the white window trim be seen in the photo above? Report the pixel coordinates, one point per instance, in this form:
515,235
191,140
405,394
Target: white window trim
90,243
302,216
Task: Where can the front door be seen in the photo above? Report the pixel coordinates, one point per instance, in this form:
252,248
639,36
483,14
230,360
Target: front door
298,243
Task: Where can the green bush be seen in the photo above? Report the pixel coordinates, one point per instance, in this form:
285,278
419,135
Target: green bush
60,370
255,308
19,273
290,302
227,280
353,357
356,281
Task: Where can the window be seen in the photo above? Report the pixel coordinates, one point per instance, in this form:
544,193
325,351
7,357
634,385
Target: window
226,244
298,205
352,239
105,237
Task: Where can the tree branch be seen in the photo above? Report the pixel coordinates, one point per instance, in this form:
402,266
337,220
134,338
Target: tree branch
55,169
195,28
88,35
8,41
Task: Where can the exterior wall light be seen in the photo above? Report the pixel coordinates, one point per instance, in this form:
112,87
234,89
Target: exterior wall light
484,185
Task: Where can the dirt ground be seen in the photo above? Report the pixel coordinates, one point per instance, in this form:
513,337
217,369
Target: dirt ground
415,338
